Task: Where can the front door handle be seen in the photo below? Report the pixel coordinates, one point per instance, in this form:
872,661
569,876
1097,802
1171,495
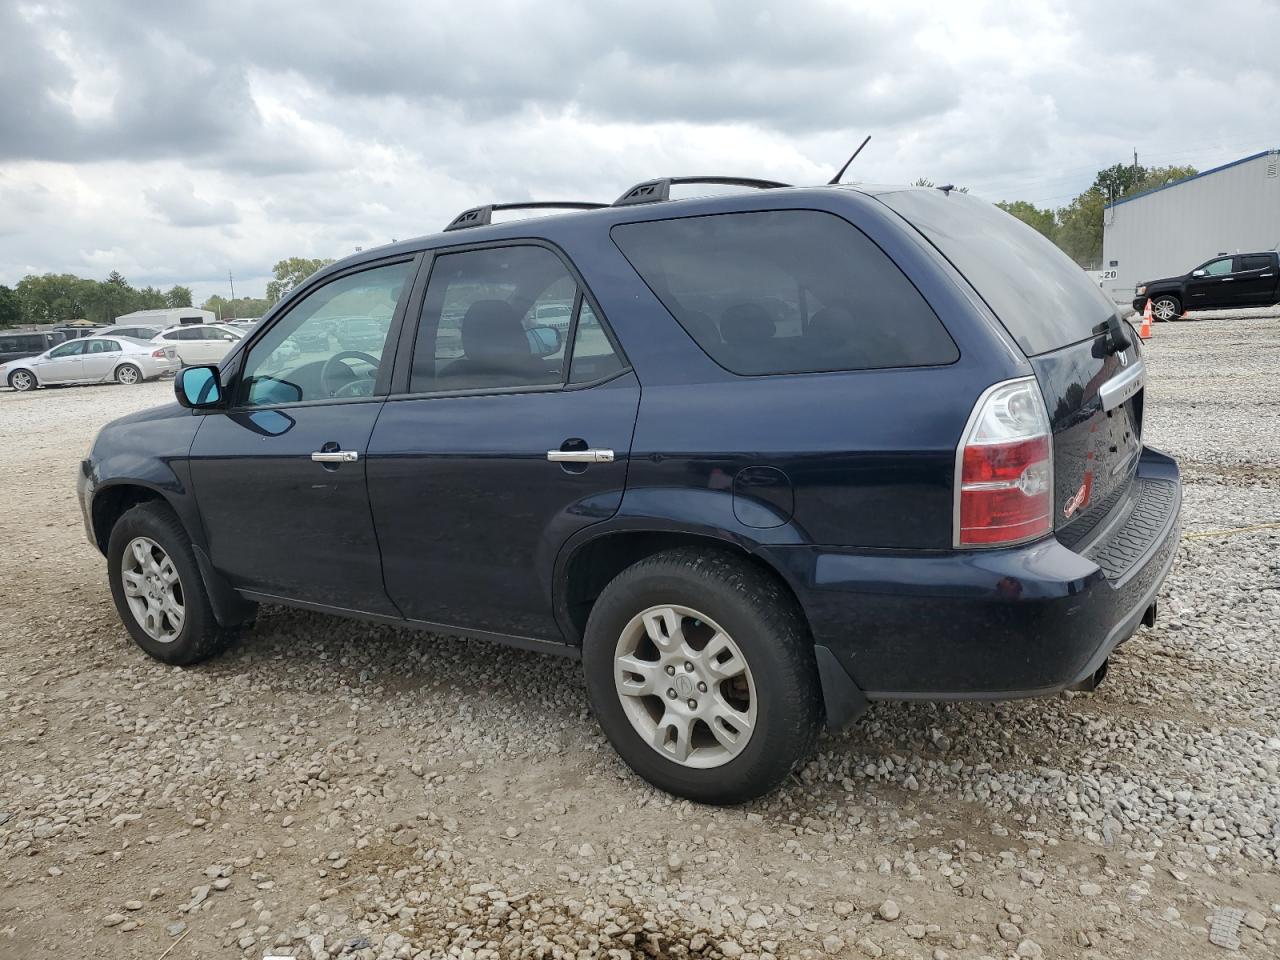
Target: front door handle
580,456
336,456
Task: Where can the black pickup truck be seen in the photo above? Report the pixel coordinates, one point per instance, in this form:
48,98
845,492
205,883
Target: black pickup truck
1229,280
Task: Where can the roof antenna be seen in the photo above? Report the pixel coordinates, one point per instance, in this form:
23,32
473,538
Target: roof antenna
836,179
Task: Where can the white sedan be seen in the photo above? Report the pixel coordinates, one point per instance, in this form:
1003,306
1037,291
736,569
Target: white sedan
198,343
91,360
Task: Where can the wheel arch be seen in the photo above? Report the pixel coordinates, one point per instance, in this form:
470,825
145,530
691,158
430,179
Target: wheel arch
585,567
30,370
111,501
126,362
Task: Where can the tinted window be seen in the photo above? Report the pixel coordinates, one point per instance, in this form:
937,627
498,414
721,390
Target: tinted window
1255,263
1218,268
1041,296
594,356
277,370
793,291
479,311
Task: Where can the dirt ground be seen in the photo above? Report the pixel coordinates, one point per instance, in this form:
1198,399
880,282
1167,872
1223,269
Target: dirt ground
332,788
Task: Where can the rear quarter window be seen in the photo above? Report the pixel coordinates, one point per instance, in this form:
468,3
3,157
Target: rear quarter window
789,291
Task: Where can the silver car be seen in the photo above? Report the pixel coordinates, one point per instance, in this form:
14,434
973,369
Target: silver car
91,360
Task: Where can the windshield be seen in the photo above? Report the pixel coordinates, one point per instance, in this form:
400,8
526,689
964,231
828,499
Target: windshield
1041,296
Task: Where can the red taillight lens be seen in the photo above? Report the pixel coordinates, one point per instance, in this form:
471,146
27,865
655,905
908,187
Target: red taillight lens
158,354
1004,477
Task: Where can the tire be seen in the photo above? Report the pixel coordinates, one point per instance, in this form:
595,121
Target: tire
22,380
128,374
705,594
1167,305
198,636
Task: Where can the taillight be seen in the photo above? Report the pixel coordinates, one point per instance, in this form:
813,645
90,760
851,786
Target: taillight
158,354
1004,468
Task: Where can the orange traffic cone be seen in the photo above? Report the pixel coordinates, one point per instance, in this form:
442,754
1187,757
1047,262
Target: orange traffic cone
1144,331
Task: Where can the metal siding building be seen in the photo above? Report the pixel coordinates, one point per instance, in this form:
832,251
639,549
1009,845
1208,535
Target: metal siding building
1167,231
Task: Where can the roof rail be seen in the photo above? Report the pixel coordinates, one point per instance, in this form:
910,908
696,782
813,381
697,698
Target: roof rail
483,216
656,191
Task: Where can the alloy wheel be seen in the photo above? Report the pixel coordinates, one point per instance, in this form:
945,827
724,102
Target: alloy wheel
685,686
153,589
127,375
1163,310
22,381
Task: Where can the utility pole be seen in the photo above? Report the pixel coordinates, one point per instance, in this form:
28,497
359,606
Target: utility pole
232,281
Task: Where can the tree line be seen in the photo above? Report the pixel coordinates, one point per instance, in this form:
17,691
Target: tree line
1077,227
63,297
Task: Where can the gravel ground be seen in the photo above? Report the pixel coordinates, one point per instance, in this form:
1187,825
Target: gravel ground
331,788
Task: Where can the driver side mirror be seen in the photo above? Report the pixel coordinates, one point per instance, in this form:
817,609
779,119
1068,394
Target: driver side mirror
1197,273
198,388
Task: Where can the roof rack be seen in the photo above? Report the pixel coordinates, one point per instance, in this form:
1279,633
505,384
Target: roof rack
656,191
483,216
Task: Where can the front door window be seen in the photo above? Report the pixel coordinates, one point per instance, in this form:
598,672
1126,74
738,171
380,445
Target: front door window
331,345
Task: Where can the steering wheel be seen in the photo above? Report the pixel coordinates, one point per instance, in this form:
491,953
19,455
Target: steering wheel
359,387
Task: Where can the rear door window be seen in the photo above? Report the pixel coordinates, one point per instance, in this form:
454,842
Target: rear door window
1043,298
790,291
1255,262
503,318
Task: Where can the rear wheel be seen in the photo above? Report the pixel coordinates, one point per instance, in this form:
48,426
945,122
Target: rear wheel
157,587
128,374
1166,308
700,670
22,380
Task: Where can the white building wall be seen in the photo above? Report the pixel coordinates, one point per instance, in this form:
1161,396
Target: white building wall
1165,233
167,317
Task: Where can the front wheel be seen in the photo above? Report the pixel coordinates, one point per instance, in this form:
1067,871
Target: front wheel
22,380
700,670
157,587
128,374
1165,309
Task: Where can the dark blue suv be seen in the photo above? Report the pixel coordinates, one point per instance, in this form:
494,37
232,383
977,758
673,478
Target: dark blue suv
794,449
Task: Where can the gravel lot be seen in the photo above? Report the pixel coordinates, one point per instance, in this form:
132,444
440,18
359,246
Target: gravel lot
331,788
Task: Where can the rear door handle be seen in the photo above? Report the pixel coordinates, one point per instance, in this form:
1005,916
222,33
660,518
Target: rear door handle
580,456
336,456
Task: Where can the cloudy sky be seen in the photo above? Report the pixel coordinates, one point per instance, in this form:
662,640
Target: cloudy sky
178,141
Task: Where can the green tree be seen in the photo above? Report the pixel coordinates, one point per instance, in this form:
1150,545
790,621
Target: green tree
1119,179
1079,231
177,296
1160,176
1032,216
55,297
289,273
10,307
239,307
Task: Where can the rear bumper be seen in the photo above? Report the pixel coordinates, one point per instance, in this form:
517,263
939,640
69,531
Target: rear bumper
998,624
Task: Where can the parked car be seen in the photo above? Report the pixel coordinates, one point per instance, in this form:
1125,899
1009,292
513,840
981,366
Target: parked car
1235,280
888,446
198,343
556,315
133,333
359,333
14,346
90,360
